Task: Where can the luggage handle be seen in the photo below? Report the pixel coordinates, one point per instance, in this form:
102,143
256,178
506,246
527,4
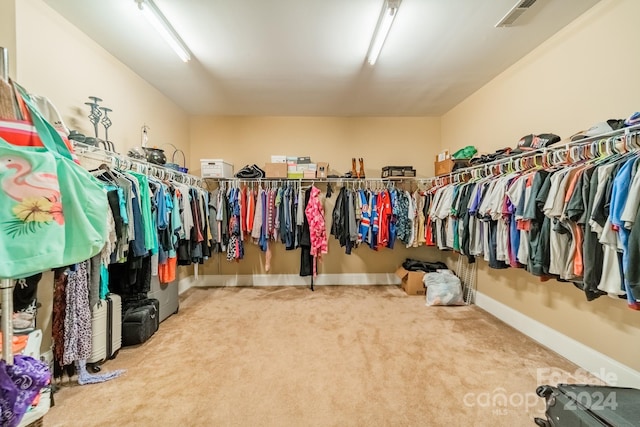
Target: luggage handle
153,313
541,423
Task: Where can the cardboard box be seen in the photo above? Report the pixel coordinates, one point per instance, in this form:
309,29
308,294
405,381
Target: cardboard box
292,160
295,175
443,167
304,160
411,281
215,168
278,159
275,170
292,168
307,167
323,169
446,166
309,174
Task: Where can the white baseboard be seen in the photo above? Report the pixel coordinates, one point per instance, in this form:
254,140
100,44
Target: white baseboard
357,279
222,280
598,364
185,284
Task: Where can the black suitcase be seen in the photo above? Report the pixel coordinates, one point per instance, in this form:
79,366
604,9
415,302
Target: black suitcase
140,322
579,405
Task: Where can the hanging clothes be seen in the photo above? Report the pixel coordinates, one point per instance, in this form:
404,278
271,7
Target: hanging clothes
77,318
314,213
306,258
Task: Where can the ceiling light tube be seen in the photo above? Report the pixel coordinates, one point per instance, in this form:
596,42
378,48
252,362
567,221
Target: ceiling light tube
162,26
388,14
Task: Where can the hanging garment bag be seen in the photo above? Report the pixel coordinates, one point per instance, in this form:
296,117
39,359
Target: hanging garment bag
52,211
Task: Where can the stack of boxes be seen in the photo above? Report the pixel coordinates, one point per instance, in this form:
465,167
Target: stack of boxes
282,167
305,167
295,168
292,168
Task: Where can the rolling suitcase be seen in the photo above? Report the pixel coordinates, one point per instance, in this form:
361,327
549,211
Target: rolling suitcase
114,318
106,330
167,294
98,333
578,405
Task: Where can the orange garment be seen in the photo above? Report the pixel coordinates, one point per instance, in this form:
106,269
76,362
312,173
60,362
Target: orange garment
578,260
167,271
383,206
19,343
428,233
572,184
578,266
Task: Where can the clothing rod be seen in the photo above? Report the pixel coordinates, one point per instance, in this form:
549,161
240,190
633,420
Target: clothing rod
7,320
332,180
124,159
554,148
4,64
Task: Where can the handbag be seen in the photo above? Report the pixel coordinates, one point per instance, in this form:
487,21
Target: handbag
53,213
18,128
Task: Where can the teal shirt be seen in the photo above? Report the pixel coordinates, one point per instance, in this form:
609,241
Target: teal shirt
150,235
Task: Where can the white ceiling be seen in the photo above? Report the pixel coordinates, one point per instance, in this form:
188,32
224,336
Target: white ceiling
307,57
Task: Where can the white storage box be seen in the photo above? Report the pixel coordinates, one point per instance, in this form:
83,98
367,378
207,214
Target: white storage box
215,168
278,159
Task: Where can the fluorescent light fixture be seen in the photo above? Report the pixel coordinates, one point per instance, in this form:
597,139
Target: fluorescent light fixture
388,14
162,26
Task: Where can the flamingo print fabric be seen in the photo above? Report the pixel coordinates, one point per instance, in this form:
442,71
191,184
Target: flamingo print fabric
43,223
37,193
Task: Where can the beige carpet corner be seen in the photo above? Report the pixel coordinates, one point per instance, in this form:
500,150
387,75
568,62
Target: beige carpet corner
339,356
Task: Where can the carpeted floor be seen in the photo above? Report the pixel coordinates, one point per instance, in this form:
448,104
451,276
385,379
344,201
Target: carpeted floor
339,356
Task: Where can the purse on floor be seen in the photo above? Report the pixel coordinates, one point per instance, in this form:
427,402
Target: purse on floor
53,213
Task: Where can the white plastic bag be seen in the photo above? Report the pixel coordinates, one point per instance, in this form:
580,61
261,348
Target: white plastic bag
443,288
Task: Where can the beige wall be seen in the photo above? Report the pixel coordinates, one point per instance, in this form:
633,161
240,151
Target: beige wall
584,74
57,60
380,141
8,32
60,62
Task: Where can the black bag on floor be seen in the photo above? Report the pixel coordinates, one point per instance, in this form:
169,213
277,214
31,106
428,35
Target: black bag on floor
579,405
426,266
140,321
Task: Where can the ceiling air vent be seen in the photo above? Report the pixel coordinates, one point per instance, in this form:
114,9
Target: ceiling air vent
515,12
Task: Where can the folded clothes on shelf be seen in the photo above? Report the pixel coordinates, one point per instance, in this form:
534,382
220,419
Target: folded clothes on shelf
250,171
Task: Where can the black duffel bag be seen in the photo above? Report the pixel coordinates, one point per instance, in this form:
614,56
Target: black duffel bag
426,266
140,321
